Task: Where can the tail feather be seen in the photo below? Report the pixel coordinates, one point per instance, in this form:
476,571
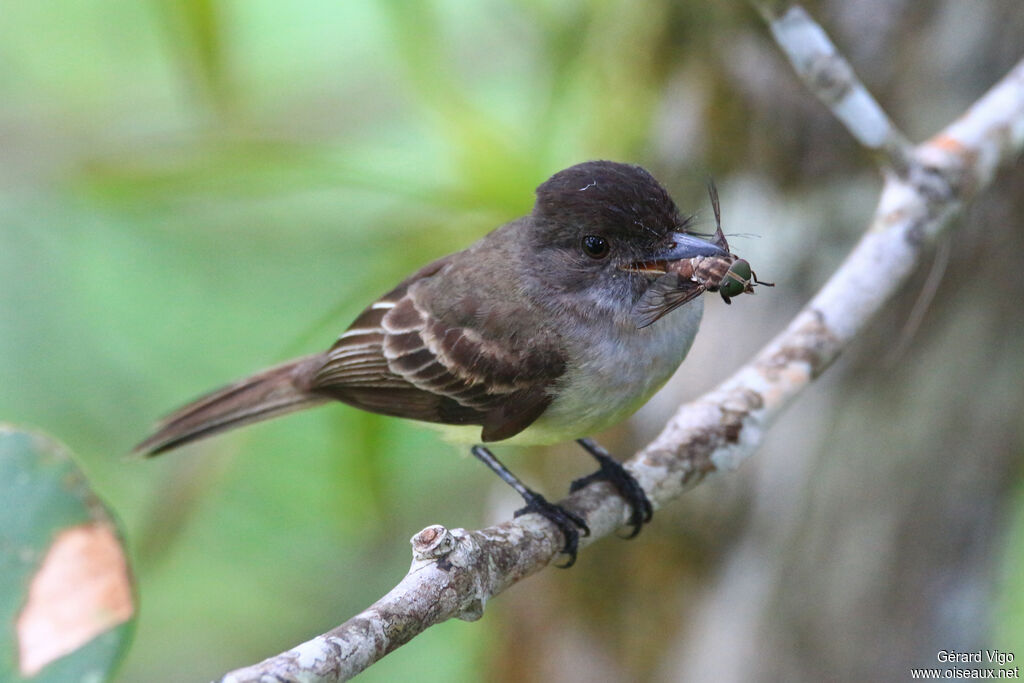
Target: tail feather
276,391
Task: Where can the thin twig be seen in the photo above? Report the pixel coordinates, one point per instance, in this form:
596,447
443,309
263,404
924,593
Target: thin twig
830,77
924,301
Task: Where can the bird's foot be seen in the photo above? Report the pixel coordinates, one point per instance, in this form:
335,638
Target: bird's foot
569,523
628,487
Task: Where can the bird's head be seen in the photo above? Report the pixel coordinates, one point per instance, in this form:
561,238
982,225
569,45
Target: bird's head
604,232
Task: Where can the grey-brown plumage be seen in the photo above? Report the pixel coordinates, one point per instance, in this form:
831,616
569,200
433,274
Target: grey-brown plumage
277,391
495,335
432,349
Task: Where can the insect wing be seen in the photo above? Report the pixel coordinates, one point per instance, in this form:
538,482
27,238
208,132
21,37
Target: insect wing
665,295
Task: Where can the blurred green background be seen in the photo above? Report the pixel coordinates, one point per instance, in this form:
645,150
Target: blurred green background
193,190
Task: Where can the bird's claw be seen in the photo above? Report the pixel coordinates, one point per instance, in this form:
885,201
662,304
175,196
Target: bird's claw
641,510
569,523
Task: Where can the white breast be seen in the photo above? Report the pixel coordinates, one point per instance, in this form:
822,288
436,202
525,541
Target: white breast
612,375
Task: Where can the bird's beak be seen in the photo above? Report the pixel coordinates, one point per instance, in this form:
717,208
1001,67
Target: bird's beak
687,246
680,246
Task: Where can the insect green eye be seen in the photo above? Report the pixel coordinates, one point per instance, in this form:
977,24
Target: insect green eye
737,279
741,269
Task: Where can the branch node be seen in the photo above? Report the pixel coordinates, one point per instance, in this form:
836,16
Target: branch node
431,543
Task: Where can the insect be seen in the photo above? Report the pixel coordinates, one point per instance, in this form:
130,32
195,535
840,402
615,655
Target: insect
685,280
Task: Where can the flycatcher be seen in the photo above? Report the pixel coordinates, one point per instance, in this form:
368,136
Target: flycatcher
540,332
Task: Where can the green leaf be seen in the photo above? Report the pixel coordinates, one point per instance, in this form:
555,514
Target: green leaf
66,596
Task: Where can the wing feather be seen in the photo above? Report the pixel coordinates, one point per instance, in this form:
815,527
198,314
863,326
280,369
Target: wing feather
398,359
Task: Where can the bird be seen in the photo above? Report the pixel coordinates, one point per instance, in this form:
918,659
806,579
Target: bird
538,333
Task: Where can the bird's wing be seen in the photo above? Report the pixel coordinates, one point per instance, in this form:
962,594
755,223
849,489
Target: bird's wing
399,359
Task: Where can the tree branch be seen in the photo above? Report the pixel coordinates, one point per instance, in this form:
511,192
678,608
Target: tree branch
831,78
454,572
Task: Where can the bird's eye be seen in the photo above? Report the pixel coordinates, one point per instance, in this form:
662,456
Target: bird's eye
595,247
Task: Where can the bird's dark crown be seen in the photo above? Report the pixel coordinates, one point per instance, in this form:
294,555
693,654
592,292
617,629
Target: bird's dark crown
615,200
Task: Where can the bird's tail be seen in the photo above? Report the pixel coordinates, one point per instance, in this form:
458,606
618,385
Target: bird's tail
276,391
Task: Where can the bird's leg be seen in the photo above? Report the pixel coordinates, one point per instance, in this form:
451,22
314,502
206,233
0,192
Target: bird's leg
570,524
616,475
